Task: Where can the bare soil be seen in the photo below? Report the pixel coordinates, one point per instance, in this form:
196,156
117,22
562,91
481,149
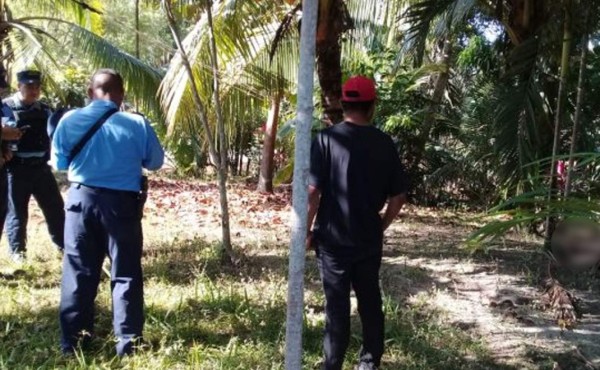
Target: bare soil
494,295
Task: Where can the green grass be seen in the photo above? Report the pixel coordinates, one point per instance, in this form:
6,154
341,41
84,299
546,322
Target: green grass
202,315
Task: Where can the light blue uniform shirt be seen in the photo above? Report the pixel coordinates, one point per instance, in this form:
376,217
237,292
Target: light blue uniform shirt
113,158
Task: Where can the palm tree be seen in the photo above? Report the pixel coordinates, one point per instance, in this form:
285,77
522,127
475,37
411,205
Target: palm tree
54,29
525,101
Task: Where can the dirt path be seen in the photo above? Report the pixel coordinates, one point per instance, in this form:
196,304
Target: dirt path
494,296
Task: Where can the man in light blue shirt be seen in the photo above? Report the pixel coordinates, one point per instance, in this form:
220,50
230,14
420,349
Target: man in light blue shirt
102,211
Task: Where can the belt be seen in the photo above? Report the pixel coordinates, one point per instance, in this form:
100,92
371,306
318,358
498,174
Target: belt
32,161
98,189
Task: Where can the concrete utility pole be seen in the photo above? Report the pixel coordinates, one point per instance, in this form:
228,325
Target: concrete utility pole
295,302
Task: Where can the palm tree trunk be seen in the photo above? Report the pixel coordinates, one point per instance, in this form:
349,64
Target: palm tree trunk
439,88
295,299
562,87
216,157
333,22
225,230
578,109
329,70
4,83
137,29
137,39
265,181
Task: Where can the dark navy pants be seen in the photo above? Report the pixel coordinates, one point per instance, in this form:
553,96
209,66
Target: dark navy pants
339,273
101,222
23,182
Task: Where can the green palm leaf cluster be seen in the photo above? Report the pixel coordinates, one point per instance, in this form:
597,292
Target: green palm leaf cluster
244,31
47,35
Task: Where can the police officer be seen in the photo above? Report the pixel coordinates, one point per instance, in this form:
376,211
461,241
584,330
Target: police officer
28,171
354,170
103,211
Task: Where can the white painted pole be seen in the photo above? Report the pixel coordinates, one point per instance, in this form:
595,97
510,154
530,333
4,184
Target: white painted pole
295,302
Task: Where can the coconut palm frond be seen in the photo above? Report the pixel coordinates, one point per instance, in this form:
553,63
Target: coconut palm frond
141,79
284,29
455,16
73,10
243,43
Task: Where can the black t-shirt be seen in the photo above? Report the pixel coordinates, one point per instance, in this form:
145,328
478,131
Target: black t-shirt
356,168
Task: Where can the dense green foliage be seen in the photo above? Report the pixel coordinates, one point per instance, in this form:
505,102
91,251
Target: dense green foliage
468,89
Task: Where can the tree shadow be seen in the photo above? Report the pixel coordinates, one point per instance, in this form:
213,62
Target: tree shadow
33,278
184,261
573,359
217,318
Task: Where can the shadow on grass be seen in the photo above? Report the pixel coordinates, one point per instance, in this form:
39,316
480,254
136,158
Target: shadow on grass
184,261
571,360
217,321
36,278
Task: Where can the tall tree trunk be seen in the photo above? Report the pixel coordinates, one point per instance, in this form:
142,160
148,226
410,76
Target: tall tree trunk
4,82
439,87
578,108
137,29
523,19
295,300
330,79
265,181
225,230
560,103
216,157
334,20
137,40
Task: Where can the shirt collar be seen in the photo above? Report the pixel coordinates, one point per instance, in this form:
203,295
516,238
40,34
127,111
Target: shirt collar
18,99
98,103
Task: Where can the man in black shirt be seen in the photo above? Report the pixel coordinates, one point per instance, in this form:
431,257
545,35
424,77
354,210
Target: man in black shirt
354,170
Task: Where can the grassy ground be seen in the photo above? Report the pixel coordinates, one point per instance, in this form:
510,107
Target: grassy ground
203,315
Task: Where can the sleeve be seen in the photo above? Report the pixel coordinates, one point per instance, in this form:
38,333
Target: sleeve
399,183
7,112
59,152
155,155
53,119
317,175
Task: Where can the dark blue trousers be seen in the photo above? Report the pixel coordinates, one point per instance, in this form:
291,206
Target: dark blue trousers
102,222
23,182
341,271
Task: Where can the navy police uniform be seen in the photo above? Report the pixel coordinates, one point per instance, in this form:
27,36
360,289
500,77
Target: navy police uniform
103,218
28,173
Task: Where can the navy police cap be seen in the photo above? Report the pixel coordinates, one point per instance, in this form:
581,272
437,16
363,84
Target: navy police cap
29,77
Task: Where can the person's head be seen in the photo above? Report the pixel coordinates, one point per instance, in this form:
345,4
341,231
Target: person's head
358,99
107,84
30,85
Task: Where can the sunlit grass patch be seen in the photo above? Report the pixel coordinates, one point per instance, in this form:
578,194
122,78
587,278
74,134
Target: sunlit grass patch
203,314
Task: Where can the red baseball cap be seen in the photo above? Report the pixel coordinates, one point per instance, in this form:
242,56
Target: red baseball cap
359,89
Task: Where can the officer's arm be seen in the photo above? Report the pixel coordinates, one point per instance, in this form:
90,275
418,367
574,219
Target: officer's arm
155,155
9,133
58,155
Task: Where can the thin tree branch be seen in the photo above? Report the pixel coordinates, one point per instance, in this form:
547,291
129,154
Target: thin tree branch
194,87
